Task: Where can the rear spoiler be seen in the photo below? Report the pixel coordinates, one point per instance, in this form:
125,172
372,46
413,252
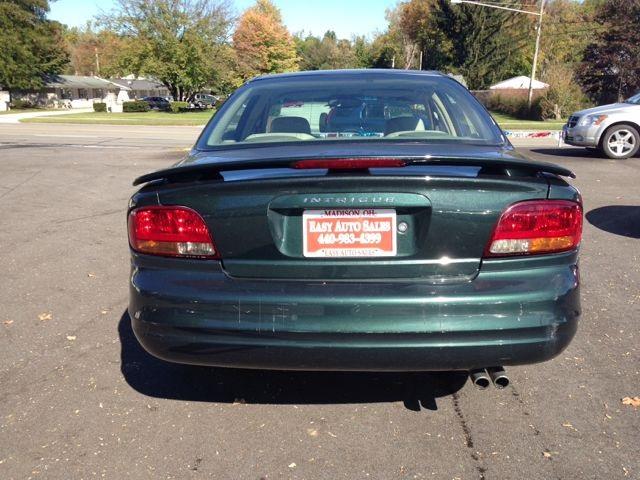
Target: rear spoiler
211,170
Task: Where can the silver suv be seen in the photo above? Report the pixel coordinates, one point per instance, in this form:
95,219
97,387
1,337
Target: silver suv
612,129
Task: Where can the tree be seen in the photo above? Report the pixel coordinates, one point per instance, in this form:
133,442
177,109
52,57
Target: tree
95,52
363,52
564,95
483,44
262,43
421,22
399,42
611,67
30,45
182,43
568,27
494,44
329,53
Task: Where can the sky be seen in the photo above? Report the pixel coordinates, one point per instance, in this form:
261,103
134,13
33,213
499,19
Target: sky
345,17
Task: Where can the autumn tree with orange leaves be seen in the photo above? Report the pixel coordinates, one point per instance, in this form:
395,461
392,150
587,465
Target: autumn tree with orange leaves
262,43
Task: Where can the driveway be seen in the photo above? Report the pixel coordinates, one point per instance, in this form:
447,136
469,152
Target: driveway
81,399
16,117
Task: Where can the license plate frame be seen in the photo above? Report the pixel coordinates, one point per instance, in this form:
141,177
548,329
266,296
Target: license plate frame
349,233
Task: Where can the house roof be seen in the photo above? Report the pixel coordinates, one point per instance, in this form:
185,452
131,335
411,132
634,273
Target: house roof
520,82
79,81
138,84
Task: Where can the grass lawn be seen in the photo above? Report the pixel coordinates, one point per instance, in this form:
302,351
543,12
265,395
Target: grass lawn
134,118
507,122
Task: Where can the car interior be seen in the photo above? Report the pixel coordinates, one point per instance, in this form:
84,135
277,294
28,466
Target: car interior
309,116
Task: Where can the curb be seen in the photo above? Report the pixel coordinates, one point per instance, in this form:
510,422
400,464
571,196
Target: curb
553,134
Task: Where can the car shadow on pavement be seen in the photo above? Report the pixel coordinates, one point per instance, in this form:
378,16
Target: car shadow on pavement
157,378
569,152
621,220
572,152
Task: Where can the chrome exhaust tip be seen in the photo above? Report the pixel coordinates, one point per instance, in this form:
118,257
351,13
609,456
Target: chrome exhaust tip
498,377
480,378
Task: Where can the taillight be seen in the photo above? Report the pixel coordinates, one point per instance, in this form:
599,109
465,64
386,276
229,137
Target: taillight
537,226
349,163
170,231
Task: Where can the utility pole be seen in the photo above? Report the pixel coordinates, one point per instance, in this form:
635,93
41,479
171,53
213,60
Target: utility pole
535,54
95,49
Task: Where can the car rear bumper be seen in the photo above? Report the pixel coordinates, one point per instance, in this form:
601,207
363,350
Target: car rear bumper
192,312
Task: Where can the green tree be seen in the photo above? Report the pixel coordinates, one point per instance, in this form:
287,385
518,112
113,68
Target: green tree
363,52
330,53
181,43
485,45
262,43
30,45
611,67
385,47
568,27
493,44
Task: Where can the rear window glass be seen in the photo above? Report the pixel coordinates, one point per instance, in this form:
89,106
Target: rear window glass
419,108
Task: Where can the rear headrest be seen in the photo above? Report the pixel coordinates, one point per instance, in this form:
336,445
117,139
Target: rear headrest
401,124
290,125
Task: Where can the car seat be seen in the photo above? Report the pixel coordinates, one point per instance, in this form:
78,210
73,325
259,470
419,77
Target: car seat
290,125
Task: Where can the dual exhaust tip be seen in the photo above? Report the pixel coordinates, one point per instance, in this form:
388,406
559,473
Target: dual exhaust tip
482,378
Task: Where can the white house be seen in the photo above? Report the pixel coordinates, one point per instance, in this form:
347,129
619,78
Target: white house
72,91
142,87
519,83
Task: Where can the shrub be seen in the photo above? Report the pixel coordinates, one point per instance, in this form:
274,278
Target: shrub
17,103
177,107
99,107
136,106
514,103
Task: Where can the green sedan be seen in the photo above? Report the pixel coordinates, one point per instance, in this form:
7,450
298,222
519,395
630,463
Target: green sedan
373,220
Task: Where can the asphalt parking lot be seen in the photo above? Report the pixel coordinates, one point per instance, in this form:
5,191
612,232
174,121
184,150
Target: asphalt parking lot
79,399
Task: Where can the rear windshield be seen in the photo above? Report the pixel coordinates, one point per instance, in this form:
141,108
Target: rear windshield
418,108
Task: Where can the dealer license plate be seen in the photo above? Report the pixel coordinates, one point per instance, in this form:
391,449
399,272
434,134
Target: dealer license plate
349,233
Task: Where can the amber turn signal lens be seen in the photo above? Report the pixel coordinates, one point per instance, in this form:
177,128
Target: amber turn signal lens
170,231
535,227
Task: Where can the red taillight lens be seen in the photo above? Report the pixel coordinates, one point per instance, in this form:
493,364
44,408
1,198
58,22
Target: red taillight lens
537,226
349,163
170,231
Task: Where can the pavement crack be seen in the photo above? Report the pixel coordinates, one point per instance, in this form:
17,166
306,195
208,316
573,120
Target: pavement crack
12,189
468,438
87,217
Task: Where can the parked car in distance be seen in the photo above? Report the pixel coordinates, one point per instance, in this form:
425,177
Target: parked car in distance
158,103
423,242
614,130
204,100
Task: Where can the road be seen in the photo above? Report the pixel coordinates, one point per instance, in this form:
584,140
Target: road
80,399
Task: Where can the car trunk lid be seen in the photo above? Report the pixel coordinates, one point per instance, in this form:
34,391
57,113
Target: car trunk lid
447,211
